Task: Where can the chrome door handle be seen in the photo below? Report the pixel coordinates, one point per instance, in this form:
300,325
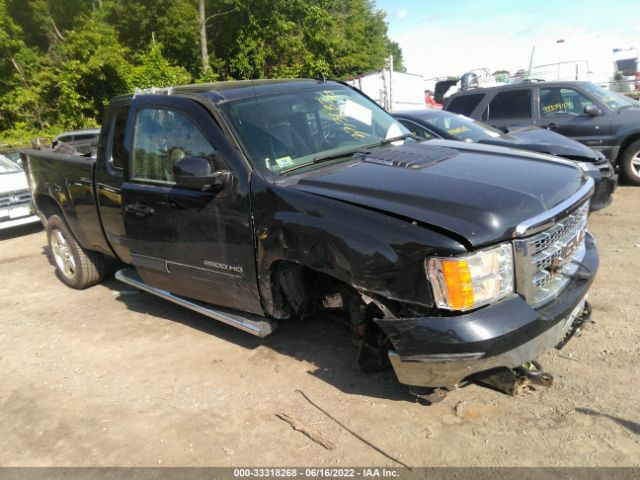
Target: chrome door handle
139,210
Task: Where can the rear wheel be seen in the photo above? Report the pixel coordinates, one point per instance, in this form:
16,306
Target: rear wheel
631,163
75,266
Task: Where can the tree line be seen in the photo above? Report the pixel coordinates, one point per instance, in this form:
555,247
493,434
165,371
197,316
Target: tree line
61,61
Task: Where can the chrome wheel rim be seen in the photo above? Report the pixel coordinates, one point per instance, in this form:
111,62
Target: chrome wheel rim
635,164
62,254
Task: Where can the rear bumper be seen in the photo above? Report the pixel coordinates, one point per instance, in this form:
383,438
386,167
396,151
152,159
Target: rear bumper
442,351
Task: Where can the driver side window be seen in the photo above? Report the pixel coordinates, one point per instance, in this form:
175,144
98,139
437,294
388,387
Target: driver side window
161,137
562,101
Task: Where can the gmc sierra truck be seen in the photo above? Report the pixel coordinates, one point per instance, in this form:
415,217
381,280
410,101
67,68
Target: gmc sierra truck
256,202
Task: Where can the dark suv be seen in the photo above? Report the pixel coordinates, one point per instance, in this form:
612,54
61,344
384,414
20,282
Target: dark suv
601,119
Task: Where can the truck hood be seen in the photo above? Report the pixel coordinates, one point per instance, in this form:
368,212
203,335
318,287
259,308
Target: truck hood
478,192
545,141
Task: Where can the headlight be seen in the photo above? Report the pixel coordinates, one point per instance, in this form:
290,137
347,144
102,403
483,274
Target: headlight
588,167
470,281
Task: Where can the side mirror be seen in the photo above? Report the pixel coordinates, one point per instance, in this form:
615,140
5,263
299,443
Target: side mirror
196,173
592,110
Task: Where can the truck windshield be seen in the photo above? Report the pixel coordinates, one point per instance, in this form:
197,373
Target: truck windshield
611,99
286,130
7,166
459,127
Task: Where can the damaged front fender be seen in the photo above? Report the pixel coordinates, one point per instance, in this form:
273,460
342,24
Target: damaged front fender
367,250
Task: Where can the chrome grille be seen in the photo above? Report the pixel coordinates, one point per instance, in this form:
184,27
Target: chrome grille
17,198
545,261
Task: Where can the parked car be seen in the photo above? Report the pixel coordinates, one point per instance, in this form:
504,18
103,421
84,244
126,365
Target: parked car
430,124
81,141
12,154
14,196
601,119
257,202
78,135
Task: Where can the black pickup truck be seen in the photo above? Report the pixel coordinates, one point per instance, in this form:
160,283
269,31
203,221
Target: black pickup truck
253,202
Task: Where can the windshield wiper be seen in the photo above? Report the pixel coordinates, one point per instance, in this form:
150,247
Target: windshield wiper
386,141
326,158
348,153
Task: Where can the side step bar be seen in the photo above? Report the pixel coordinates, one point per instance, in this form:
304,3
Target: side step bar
253,324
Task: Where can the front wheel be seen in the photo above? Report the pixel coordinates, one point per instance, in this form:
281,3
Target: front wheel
76,267
631,163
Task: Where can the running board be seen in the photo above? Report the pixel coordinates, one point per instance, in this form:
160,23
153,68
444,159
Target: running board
253,324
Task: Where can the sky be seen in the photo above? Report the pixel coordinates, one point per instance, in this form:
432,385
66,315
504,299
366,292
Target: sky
440,38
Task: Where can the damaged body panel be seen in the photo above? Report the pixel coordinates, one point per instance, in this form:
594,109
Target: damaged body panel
251,202
440,351
313,232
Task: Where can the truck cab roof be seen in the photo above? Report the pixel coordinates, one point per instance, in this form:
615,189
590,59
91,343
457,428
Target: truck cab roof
219,92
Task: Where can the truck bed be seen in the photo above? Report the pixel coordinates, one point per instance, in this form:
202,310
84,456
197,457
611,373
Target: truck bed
65,182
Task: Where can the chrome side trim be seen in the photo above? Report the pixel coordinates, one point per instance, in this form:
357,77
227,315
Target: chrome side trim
258,326
548,218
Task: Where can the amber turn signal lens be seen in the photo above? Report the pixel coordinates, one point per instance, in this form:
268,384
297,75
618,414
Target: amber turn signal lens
471,280
457,278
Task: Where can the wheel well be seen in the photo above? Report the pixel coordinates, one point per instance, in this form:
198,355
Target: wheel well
297,290
300,291
47,206
627,141
295,287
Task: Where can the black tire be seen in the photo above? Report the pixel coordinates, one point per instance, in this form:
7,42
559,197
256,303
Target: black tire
630,163
76,267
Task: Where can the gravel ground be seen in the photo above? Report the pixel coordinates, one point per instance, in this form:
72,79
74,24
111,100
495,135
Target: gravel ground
113,377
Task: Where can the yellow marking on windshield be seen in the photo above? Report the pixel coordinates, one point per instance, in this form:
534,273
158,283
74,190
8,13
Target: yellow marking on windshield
458,131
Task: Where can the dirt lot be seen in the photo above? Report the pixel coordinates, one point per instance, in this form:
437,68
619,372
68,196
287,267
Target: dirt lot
110,376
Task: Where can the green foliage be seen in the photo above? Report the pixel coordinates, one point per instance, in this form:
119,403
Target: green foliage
154,70
61,61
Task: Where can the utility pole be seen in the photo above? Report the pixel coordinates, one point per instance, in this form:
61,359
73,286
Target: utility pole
390,82
204,51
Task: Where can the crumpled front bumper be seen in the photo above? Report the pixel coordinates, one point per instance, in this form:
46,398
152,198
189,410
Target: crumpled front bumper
442,351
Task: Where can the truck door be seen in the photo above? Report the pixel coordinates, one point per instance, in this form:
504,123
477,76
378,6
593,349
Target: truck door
562,109
111,166
193,243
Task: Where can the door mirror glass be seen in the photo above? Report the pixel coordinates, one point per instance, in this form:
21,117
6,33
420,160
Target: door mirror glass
197,173
592,110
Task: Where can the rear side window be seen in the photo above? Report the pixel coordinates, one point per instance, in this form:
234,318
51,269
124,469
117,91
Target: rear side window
161,137
466,104
511,104
118,152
